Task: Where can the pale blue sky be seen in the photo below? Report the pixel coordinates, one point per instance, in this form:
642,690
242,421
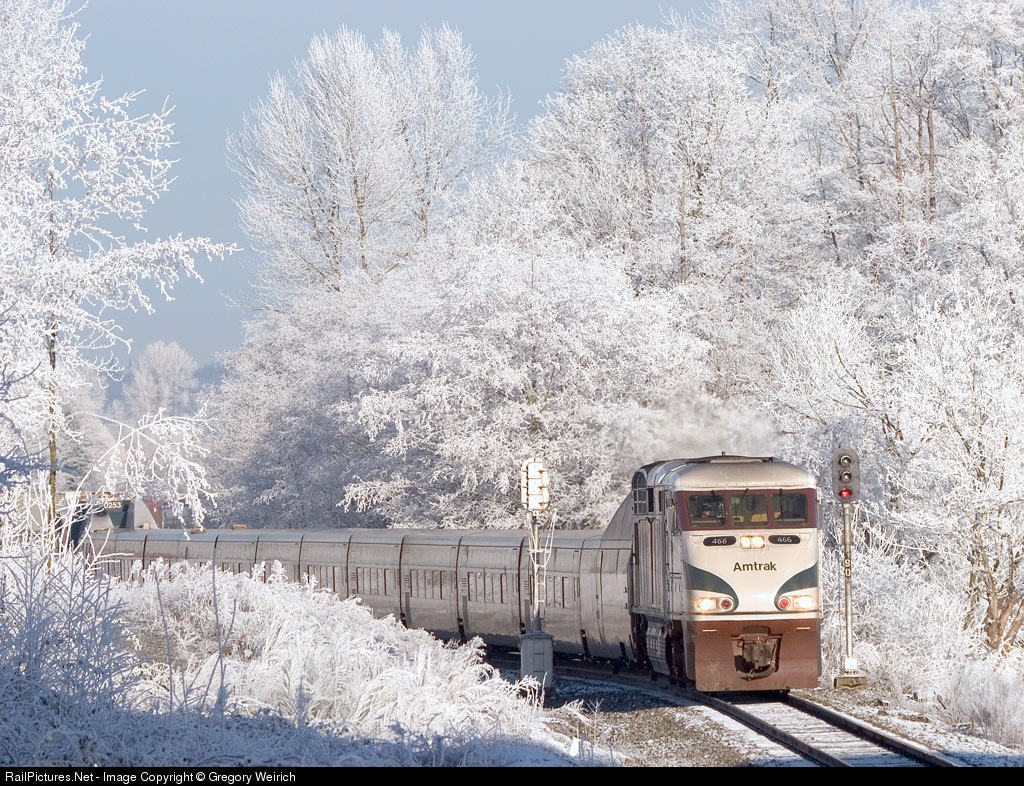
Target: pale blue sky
212,59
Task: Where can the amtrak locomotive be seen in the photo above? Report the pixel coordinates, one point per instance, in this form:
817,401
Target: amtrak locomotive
707,573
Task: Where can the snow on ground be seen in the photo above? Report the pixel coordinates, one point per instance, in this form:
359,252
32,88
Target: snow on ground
185,671
642,729
231,671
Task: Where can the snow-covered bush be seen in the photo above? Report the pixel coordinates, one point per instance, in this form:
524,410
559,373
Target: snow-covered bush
63,667
981,694
916,644
243,647
260,673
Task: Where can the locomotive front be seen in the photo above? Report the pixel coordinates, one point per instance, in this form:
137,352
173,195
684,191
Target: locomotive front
738,607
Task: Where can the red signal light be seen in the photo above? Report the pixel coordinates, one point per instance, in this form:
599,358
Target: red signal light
845,493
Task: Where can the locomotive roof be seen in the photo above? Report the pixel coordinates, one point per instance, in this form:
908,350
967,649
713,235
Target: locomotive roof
725,472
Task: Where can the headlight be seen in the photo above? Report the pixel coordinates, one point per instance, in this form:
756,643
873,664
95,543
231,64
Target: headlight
707,605
752,541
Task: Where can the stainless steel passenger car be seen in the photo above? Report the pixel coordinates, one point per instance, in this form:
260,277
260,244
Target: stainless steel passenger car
707,572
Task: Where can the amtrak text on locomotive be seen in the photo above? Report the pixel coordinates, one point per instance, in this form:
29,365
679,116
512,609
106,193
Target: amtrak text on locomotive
743,566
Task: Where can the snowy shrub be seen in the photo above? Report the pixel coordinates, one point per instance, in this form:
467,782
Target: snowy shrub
259,674
259,649
983,695
914,642
59,627
63,666
915,626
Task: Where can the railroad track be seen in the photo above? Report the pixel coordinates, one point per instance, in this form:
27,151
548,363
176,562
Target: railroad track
820,735
817,734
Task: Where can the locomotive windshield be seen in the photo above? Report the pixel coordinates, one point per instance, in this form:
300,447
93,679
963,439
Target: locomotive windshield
745,509
706,510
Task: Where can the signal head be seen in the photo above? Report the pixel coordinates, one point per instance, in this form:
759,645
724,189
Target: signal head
845,475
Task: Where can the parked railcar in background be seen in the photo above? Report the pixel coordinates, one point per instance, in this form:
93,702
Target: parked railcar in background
708,573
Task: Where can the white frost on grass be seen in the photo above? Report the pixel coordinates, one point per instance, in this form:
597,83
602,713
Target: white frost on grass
191,668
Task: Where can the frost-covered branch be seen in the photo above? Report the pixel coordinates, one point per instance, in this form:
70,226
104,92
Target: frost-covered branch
161,458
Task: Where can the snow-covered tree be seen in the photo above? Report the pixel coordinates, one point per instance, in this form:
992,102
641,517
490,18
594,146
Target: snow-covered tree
348,167
513,356
356,157
162,379
78,171
421,413
914,121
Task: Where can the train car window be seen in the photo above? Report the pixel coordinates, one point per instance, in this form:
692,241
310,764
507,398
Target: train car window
372,581
555,591
643,497
749,510
704,511
790,508
639,494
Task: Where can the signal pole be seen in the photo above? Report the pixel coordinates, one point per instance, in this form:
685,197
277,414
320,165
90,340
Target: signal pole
536,648
846,487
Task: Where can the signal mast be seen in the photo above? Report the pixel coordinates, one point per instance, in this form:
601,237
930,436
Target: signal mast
846,487
536,648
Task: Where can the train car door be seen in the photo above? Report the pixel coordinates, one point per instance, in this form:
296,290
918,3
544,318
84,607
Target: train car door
561,578
604,598
488,586
374,556
429,589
